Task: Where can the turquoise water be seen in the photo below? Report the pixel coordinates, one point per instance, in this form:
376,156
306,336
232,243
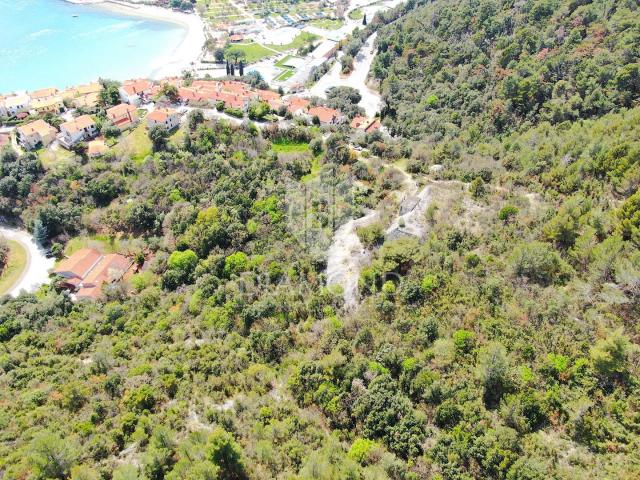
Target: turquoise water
42,44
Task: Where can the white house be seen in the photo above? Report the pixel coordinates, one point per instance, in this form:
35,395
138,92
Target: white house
16,104
133,92
77,130
164,116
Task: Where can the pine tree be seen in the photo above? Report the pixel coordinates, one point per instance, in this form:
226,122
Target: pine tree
364,19
40,233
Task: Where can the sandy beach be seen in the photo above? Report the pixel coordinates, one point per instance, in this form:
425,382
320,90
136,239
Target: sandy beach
184,55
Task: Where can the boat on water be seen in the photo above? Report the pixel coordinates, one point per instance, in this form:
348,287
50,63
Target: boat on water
75,16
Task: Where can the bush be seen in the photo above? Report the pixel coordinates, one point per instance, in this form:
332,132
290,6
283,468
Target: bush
507,213
538,263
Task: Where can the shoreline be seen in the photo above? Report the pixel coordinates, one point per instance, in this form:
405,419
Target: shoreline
184,55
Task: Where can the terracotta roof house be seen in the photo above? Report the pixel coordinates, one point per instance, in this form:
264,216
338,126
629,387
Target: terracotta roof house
79,264
95,148
87,270
367,124
297,105
373,126
123,116
167,117
77,130
44,93
236,38
327,116
34,134
358,122
47,105
134,91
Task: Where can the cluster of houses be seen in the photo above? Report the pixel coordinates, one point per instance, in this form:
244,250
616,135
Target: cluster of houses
134,93
49,100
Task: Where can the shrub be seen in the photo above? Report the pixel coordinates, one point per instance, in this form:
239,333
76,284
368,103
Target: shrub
538,263
507,213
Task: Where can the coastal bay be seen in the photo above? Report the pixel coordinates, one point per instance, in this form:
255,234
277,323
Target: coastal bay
59,43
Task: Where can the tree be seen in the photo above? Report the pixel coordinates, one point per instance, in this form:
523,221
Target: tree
537,262
232,70
159,136
51,456
195,118
629,216
109,95
228,68
224,451
609,355
494,372
241,68
170,92
219,55
364,19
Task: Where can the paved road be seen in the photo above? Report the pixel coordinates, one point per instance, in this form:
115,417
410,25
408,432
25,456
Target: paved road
371,100
36,271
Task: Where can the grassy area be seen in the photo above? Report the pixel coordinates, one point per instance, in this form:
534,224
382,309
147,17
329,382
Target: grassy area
286,75
301,40
16,264
285,146
356,14
134,143
283,61
103,243
315,170
253,52
51,158
327,24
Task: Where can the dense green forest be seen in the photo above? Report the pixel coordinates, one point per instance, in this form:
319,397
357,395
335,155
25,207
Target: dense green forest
503,345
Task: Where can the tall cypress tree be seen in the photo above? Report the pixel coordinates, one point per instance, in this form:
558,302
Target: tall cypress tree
228,69
364,19
241,68
233,70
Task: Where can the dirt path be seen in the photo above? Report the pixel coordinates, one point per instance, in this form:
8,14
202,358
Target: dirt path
346,256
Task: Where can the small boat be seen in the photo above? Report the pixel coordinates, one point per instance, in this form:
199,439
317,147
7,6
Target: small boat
75,16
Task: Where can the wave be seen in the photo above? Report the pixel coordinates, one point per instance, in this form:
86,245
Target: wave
41,33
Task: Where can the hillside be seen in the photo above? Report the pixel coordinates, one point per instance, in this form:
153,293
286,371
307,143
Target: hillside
493,333
471,69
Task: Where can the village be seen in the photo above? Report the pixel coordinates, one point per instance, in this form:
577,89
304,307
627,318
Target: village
292,85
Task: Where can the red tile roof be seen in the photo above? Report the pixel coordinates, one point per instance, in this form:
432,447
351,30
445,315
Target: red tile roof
79,264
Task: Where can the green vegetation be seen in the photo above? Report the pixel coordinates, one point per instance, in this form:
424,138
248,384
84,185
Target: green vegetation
328,23
301,40
285,75
356,14
14,262
502,344
250,52
135,144
282,146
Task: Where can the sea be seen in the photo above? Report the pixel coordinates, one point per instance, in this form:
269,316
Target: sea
55,43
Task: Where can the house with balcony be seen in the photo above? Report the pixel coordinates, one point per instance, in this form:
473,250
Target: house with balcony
77,130
12,105
35,134
166,117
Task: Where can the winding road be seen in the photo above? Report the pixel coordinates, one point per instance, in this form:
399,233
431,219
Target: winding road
36,270
371,100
